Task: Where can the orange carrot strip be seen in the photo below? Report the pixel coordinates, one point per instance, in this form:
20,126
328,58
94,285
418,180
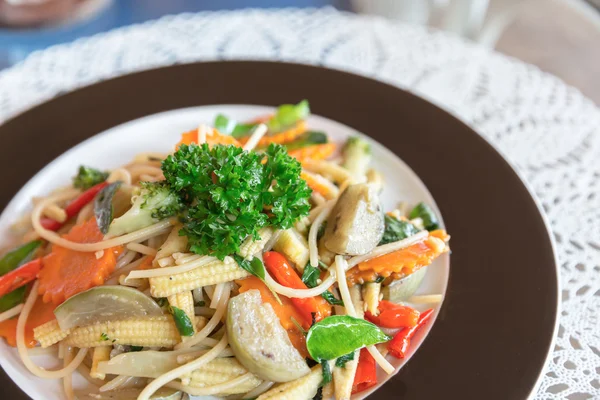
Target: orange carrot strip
66,272
316,185
212,139
39,315
283,137
314,152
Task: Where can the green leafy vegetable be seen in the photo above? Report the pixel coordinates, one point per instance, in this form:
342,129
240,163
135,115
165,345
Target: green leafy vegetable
104,337
338,335
327,375
341,361
228,126
288,115
11,260
310,276
135,348
231,193
182,321
103,207
396,230
308,138
254,266
423,211
87,177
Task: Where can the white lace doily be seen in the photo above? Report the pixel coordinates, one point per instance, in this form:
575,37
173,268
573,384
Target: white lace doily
548,130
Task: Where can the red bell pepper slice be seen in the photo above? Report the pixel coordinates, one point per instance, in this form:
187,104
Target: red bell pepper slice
74,207
284,273
392,315
20,276
366,372
398,346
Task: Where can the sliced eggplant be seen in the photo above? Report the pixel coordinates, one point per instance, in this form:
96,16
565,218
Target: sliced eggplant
105,303
259,342
147,364
355,225
132,394
403,289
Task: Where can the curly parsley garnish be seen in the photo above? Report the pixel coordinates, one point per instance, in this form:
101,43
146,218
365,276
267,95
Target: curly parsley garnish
230,194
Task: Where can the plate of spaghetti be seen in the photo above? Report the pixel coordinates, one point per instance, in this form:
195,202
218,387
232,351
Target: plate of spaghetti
223,251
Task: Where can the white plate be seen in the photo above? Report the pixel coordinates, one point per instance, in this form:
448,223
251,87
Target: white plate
159,132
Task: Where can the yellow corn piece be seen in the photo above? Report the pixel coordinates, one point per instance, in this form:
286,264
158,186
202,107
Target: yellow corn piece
251,246
209,274
221,370
173,244
155,332
314,152
356,297
283,137
49,333
294,246
370,294
327,169
184,301
343,378
100,354
301,388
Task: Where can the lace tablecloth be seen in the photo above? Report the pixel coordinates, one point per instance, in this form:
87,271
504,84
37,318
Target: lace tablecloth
549,131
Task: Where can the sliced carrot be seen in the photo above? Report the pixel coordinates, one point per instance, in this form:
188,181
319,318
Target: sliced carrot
39,315
286,312
404,261
283,137
146,263
212,138
66,272
319,184
262,120
314,152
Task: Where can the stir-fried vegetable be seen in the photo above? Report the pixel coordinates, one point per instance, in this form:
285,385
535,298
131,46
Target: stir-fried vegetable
366,373
11,260
182,321
227,181
259,342
357,156
288,115
155,202
402,289
310,276
68,272
73,208
227,125
39,315
282,271
20,276
103,207
87,177
339,335
307,139
105,303
423,211
396,230
398,346
393,315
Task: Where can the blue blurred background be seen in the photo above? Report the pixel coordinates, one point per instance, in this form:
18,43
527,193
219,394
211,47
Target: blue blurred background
17,42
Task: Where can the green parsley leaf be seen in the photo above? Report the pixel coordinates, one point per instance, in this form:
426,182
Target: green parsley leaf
254,266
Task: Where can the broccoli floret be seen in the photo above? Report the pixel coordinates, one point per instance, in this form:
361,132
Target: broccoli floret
155,202
87,177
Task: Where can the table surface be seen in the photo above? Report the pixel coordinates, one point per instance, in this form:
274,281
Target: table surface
548,130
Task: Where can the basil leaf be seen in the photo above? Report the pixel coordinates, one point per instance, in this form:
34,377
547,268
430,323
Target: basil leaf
18,256
226,125
423,211
339,335
254,266
327,375
341,361
182,321
103,208
310,276
396,230
327,295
